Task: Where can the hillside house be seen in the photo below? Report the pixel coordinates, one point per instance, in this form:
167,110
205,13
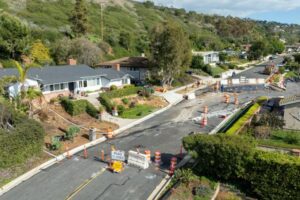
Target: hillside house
68,79
137,67
209,57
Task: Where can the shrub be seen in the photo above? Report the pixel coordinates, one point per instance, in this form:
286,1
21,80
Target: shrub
91,110
122,92
132,104
106,102
113,87
125,101
269,175
262,132
293,138
120,109
24,141
217,76
72,132
243,119
55,143
78,107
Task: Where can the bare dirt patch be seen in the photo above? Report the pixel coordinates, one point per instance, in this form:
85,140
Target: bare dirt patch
56,121
153,101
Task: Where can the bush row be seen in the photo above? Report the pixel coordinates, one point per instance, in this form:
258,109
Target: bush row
126,91
24,141
268,175
106,102
242,120
78,107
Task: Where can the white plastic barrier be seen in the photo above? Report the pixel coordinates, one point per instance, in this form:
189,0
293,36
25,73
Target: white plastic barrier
138,160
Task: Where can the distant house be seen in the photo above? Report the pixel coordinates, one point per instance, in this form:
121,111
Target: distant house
246,47
67,79
137,67
291,107
209,57
292,48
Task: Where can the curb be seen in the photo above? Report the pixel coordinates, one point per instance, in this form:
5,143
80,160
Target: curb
53,161
216,192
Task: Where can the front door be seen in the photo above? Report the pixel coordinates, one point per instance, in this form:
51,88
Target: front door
71,86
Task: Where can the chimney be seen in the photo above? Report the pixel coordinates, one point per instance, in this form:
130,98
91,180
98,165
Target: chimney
117,67
72,61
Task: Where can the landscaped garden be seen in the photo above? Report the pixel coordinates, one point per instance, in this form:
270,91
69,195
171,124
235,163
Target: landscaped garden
131,102
188,185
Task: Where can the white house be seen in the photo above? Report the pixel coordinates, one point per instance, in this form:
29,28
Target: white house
209,57
68,79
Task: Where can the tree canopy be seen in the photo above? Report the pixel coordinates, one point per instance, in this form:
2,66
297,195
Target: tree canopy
79,19
171,51
14,36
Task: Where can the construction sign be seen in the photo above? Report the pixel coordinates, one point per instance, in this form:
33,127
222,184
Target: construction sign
137,159
118,155
117,166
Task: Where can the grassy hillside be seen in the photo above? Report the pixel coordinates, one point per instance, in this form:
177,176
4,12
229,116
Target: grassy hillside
49,21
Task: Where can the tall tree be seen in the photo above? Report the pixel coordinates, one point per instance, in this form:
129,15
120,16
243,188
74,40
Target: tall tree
171,51
79,18
14,36
40,53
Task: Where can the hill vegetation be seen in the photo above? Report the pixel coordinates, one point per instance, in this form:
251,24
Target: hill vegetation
127,28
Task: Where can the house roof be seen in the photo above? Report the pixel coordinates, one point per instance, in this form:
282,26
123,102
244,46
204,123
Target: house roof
140,62
65,73
204,53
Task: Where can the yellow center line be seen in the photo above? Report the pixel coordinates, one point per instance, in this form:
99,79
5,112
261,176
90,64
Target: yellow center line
84,184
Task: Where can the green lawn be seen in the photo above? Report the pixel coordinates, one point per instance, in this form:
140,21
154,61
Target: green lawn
216,71
284,139
138,111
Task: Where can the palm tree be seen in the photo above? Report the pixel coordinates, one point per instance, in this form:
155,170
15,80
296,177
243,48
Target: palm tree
22,76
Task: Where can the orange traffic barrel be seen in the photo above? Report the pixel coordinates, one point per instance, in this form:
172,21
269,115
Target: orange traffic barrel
157,158
148,155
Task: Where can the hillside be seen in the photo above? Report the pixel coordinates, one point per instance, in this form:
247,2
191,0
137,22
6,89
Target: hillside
49,21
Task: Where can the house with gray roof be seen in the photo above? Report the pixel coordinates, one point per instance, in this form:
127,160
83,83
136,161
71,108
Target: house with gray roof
68,79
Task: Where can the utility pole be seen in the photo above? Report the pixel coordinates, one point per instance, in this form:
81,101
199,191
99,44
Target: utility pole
102,20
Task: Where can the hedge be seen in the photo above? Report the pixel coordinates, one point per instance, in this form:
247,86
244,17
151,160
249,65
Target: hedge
24,141
126,91
268,175
242,120
106,102
78,107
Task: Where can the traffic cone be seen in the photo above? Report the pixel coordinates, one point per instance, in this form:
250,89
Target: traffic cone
204,121
205,110
157,158
102,155
68,153
85,153
172,166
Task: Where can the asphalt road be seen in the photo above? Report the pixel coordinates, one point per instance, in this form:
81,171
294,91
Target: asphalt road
86,179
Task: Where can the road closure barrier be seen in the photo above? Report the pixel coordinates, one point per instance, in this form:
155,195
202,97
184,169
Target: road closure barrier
138,160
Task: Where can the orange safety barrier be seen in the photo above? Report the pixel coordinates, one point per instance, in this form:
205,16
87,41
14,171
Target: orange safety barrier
148,155
68,153
204,121
205,110
173,166
102,155
109,133
85,153
157,158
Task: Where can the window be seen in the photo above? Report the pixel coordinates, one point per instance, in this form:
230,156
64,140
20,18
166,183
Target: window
80,84
51,88
85,83
133,69
62,86
98,81
56,86
124,81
